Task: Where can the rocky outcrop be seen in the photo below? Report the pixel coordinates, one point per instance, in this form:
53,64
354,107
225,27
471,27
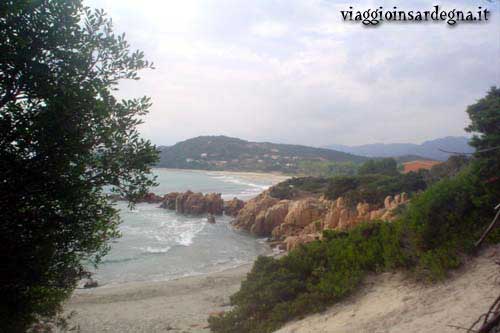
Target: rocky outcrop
301,214
292,242
214,203
194,203
151,198
233,207
305,211
254,213
169,200
269,219
302,221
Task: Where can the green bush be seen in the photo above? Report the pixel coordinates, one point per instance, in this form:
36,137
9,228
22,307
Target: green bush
433,233
384,166
373,188
293,187
309,278
445,221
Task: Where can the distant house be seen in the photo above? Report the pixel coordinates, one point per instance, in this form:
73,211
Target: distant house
418,165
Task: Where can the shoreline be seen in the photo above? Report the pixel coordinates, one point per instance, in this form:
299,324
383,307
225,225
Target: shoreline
181,304
275,177
178,305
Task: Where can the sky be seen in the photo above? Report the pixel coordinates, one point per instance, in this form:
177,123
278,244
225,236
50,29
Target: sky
291,71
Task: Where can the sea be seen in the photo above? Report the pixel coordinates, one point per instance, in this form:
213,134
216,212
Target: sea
158,244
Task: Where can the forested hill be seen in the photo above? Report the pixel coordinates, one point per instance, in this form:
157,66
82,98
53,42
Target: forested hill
225,153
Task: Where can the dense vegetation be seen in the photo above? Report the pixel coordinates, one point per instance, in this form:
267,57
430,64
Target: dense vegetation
225,153
376,180
431,236
63,139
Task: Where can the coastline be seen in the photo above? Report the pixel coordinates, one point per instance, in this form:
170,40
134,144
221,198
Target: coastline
179,305
273,177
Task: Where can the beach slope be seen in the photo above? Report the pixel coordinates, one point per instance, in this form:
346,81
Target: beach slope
181,305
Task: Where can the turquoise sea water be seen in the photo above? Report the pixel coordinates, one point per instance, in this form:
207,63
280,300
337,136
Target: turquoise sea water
158,244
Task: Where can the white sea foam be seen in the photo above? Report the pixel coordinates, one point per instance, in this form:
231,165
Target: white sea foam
160,244
239,181
186,237
155,250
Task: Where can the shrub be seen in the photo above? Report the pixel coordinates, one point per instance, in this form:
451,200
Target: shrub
437,228
445,221
373,188
293,187
384,166
309,278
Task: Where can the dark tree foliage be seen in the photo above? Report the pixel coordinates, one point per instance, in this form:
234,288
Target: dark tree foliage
384,166
373,188
450,168
63,139
485,125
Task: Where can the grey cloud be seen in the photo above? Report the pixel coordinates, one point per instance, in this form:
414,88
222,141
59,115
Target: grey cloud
316,81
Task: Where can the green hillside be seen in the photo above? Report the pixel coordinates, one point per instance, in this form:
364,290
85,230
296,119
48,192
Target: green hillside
225,153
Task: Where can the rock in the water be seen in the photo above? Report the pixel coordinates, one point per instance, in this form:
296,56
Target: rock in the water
90,283
211,218
169,200
197,203
151,198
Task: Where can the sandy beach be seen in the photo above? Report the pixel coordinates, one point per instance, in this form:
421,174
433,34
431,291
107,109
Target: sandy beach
181,305
271,177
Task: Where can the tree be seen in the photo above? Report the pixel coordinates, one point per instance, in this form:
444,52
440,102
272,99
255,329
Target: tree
384,166
485,124
64,140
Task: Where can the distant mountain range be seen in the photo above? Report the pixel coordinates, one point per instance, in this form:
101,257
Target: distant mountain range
428,149
226,153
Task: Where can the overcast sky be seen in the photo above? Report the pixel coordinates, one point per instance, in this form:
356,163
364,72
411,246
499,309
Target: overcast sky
292,71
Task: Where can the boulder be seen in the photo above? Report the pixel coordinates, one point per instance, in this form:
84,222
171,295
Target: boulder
214,203
363,209
90,283
377,214
151,198
305,211
211,218
190,203
387,202
169,200
274,216
283,231
331,219
197,203
247,216
233,207
293,242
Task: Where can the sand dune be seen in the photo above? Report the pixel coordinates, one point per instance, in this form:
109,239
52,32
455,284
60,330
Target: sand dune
391,303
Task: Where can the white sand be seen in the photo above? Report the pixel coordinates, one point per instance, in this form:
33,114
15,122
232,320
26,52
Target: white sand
391,303
181,305
271,177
